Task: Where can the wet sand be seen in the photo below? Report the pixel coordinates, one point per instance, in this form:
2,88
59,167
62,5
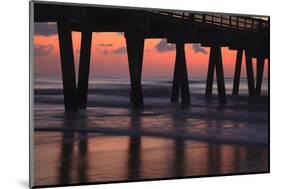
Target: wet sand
71,158
112,142
120,144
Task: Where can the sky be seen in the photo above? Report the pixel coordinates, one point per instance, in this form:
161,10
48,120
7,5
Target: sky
109,55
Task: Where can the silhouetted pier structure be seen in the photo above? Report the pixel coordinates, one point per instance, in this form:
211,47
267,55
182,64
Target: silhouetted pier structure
240,33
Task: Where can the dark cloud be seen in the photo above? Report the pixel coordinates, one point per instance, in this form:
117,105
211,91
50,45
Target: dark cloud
120,50
103,51
163,46
198,49
45,29
43,50
105,45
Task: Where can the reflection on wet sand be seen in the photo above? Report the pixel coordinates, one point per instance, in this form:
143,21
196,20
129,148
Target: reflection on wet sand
213,154
67,157
179,150
134,148
83,157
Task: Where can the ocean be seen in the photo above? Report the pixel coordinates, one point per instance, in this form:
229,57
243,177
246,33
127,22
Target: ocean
110,141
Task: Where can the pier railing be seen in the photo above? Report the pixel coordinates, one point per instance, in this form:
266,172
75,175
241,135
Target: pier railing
228,21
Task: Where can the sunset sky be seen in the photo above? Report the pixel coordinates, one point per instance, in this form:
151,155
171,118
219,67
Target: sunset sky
109,55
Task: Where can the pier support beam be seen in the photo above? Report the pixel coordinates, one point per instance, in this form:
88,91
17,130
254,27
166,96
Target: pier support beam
210,75
250,73
84,65
180,80
237,73
215,61
67,67
260,68
220,75
135,46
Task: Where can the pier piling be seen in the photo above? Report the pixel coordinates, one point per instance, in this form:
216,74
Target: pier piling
180,80
260,68
135,46
67,67
220,75
237,73
84,66
250,73
210,74
215,62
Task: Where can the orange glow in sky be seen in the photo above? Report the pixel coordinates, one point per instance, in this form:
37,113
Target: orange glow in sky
109,57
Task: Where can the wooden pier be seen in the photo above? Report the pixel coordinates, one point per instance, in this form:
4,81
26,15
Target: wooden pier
247,35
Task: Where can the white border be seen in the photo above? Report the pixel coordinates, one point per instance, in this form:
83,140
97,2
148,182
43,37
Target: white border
14,95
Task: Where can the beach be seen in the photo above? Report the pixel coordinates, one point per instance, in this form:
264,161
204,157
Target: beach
110,141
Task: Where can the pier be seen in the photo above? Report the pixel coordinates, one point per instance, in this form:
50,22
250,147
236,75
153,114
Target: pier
244,34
